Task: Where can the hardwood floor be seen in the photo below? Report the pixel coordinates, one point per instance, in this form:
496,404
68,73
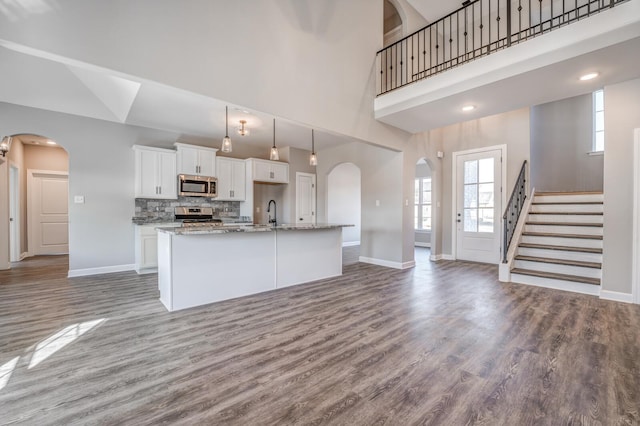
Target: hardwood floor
442,344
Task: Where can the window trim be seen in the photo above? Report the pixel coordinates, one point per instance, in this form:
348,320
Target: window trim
594,131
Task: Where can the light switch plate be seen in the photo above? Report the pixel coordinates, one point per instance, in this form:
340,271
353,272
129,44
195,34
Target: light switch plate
78,199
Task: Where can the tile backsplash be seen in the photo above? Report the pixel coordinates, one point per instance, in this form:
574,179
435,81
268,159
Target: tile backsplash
163,209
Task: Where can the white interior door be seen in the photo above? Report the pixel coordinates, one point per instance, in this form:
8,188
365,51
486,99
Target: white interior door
479,203
14,214
305,198
49,213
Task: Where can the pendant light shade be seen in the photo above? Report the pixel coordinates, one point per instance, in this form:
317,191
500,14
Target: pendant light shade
274,155
313,159
226,141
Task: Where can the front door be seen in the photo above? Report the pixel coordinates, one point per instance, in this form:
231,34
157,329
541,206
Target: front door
479,203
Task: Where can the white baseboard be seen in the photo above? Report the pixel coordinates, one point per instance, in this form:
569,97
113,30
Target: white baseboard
417,244
388,263
616,296
350,243
23,256
102,270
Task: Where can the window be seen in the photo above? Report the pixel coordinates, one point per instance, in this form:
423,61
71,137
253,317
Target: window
478,195
422,212
598,120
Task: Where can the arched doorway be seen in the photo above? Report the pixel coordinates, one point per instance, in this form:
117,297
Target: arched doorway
344,206
423,210
393,25
38,198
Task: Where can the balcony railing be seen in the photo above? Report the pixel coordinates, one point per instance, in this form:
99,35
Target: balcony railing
473,31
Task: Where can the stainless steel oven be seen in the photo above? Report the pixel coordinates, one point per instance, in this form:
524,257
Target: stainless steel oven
197,186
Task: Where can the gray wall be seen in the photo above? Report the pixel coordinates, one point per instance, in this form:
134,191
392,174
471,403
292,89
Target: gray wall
344,200
622,115
511,128
101,167
381,173
561,138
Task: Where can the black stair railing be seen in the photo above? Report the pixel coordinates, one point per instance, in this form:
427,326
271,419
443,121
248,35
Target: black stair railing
473,31
513,210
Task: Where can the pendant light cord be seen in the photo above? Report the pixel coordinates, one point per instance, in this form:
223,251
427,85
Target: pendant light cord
226,134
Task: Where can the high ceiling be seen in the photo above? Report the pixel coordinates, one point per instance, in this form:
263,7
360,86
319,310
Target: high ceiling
45,83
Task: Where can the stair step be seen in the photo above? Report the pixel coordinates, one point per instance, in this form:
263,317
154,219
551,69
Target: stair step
548,234
560,261
581,203
597,225
569,213
543,208
545,194
556,276
562,248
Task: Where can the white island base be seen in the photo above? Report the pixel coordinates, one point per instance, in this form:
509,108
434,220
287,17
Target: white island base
199,267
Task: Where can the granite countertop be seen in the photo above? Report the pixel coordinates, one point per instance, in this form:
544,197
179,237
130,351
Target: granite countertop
200,230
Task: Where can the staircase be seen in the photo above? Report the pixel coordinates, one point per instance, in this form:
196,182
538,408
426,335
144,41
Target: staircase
561,244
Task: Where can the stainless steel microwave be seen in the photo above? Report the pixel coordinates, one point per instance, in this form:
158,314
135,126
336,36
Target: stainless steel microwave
197,186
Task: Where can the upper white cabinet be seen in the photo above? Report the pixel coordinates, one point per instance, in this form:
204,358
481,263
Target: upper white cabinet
155,173
196,160
231,179
268,171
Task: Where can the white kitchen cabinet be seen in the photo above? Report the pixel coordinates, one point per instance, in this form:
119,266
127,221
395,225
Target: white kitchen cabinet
231,179
269,171
196,160
155,173
146,247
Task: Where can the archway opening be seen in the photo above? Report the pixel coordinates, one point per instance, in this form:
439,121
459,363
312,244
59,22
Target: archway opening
392,25
423,210
38,198
344,206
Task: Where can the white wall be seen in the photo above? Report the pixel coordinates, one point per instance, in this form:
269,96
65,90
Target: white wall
101,167
298,160
317,56
344,199
622,115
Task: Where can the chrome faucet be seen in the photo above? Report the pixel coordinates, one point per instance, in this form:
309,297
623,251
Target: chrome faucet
275,212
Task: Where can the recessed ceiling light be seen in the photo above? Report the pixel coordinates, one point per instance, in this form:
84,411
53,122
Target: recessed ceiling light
468,108
51,143
589,76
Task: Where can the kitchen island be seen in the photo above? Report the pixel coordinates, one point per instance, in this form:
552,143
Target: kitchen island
197,266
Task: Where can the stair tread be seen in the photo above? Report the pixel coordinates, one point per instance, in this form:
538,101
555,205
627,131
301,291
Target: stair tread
565,202
560,261
596,225
570,213
569,193
561,248
552,275
550,234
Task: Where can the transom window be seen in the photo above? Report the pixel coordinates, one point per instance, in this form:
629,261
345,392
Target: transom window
422,212
598,120
478,195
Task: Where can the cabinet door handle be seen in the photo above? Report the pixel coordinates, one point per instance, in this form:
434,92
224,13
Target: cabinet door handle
271,175
159,190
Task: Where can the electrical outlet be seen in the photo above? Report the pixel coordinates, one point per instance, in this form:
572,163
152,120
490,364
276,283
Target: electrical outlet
377,203
257,209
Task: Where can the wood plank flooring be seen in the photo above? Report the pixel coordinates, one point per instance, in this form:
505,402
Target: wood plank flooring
442,344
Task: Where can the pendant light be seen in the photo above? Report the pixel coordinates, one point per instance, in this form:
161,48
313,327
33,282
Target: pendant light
313,159
274,155
226,142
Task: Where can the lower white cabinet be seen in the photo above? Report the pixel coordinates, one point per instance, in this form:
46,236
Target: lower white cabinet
146,247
